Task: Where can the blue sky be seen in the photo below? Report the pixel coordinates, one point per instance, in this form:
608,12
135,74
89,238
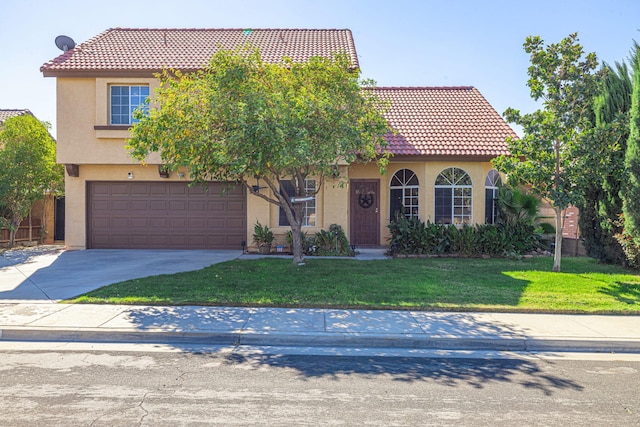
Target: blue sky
399,43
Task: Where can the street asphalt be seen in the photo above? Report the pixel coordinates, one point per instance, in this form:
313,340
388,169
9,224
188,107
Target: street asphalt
33,281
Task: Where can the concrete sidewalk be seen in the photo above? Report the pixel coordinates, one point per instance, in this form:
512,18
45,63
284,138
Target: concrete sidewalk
319,328
33,280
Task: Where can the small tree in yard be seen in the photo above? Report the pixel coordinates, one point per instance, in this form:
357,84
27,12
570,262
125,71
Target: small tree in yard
27,168
566,82
242,118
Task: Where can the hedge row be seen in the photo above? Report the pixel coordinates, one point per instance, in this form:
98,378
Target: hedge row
414,237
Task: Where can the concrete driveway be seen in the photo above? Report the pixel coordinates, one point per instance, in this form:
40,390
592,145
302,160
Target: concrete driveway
50,274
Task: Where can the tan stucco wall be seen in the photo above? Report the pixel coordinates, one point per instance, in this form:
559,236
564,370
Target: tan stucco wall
426,173
330,209
83,103
333,201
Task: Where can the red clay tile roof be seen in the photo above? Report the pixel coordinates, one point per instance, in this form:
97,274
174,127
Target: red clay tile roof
150,50
444,121
5,114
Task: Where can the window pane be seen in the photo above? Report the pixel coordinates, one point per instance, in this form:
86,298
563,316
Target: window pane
462,178
288,187
125,100
443,205
404,192
395,203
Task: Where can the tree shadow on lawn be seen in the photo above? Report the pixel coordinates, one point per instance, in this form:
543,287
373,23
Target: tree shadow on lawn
228,327
627,293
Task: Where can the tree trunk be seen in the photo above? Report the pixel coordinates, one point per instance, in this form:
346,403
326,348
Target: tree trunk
13,229
557,254
296,238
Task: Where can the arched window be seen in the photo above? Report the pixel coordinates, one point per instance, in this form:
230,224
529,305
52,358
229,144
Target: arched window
403,194
491,185
453,197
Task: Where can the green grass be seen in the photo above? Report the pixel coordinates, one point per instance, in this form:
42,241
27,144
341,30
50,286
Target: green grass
433,283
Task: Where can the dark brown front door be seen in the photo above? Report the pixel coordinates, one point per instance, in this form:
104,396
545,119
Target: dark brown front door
364,195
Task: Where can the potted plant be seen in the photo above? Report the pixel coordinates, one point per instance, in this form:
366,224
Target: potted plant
263,237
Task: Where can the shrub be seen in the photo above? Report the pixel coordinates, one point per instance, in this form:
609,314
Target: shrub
331,243
630,248
412,236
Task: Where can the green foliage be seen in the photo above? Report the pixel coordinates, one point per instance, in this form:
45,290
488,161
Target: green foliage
601,159
262,235
307,242
410,236
331,243
242,117
515,206
563,78
454,284
631,186
27,168
630,248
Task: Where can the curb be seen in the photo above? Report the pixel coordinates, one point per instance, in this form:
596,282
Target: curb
235,338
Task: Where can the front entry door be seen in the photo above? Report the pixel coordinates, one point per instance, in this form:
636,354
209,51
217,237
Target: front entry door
364,195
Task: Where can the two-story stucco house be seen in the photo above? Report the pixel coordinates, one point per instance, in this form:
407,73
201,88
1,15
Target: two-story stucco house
440,169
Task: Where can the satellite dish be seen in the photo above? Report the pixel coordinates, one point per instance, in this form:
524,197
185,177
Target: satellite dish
65,43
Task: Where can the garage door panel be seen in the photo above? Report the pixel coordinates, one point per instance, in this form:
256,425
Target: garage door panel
235,223
159,222
140,205
120,205
140,223
158,205
120,189
159,215
119,223
177,189
139,188
198,205
158,188
101,188
121,239
178,205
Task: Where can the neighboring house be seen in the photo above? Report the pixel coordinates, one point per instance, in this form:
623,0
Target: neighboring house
440,170
48,211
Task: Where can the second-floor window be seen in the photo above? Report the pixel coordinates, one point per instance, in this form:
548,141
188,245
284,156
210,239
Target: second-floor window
124,101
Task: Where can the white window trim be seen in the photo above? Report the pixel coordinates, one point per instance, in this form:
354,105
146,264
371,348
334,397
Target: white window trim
310,208
453,187
405,187
109,97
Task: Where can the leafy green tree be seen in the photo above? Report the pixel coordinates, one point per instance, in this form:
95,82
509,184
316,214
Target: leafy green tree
564,79
631,185
242,118
601,160
28,168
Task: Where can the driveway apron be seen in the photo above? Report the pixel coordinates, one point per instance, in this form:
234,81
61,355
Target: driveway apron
52,274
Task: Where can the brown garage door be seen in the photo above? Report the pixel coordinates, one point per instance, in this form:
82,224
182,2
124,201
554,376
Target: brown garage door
164,215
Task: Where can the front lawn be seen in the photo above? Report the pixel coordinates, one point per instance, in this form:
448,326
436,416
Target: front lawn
433,283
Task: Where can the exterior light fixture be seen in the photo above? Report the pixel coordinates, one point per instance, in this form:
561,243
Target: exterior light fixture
130,175
256,188
163,171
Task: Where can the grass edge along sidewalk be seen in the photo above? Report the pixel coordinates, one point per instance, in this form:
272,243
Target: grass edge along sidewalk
464,284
